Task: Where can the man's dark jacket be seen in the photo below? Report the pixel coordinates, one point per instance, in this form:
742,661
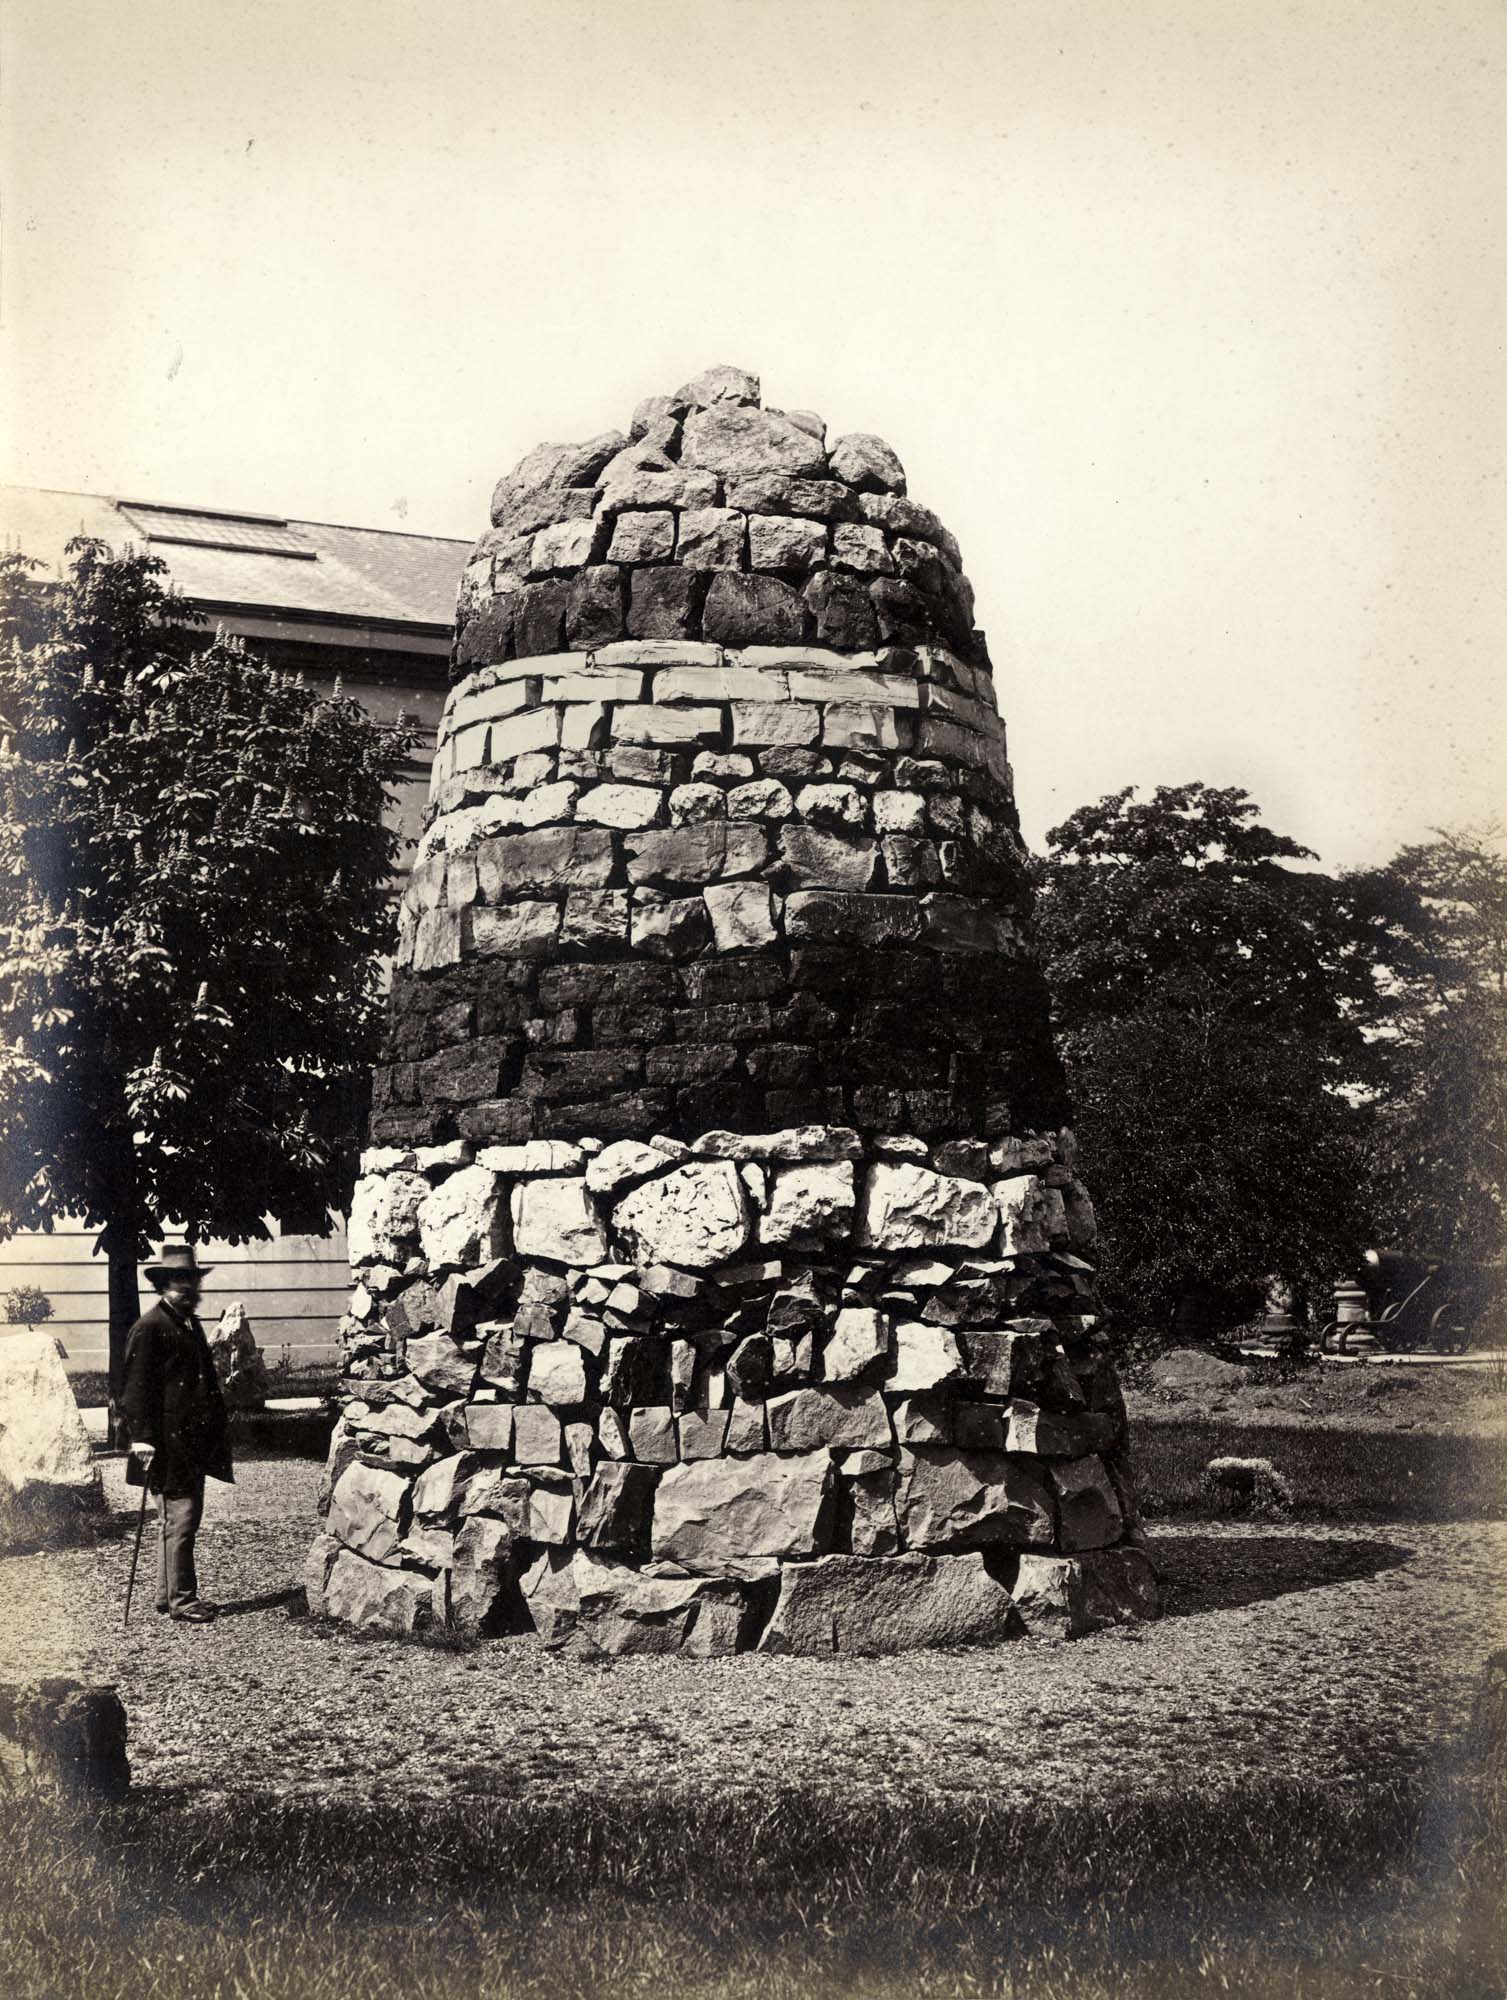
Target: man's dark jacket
170,1397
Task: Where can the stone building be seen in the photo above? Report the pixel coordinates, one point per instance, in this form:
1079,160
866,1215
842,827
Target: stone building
720,1267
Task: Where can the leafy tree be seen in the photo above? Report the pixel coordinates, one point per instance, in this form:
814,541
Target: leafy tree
1439,932
194,891
1212,1000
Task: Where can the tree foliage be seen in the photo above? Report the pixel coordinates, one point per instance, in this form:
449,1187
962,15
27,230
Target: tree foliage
194,893
1212,1000
1439,935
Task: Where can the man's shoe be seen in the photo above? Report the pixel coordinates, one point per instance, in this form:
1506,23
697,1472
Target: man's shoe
197,1613
163,1610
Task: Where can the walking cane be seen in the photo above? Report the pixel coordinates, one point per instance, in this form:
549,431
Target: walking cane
141,1521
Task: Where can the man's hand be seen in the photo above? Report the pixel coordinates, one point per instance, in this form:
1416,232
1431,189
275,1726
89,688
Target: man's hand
146,1453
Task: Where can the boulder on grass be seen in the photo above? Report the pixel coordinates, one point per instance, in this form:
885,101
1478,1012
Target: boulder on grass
1247,1486
47,1468
1188,1371
244,1382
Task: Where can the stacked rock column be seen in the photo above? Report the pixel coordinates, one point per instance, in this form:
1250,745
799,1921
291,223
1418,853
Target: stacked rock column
720,1266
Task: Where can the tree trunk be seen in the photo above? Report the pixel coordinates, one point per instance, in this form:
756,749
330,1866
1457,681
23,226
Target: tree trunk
121,1246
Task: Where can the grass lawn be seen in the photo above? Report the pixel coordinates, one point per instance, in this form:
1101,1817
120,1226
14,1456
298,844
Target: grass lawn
1265,1891
1335,1472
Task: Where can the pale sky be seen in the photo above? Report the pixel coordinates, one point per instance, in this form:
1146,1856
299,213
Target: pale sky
1187,318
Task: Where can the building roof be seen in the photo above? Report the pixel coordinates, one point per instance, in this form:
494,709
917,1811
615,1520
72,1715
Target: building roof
309,569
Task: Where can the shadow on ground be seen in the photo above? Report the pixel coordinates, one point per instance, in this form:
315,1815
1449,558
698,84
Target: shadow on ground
268,1601
1223,1572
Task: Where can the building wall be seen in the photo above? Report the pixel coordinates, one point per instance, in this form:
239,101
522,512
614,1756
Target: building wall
292,1287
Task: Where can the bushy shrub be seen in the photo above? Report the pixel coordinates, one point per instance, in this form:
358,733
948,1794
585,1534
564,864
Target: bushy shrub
27,1306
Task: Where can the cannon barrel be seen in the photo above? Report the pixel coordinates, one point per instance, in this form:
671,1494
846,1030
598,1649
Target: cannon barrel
1392,1263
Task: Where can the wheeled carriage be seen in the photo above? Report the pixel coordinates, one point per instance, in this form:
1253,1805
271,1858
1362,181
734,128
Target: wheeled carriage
1404,1303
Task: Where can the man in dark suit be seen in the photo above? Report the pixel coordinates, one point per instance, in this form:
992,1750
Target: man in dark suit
175,1418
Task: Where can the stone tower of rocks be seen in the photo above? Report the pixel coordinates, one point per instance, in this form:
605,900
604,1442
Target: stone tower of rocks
719,1268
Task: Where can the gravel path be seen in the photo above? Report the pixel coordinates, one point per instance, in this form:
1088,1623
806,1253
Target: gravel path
1338,1653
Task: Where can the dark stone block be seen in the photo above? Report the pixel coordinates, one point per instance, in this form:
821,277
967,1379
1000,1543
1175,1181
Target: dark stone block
732,1021
976,1077
903,615
404,1128
752,611
792,763
624,984
574,1074
447,1025
783,1066
538,1320
805,1107
500,1011
632,1371
795,1310
822,968
895,1019
553,1031
500,1121
594,607
920,563
611,1026
664,604
809,1018
633,1115
952,606
415,1311
539,625
842,611
403,1083
734,979
483,1294
890,1064
467,1074
878,1110
487,638
864,919
616,1508
696,1063
704,1107
999,1120
930,1113
672,927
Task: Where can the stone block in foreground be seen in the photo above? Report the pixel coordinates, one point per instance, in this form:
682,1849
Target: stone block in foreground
720,1256
63,1737
47,1470
888,1604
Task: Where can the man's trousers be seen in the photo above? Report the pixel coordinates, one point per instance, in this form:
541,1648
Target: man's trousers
181,1512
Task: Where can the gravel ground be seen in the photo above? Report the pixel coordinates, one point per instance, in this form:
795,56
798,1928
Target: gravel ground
1335,1653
